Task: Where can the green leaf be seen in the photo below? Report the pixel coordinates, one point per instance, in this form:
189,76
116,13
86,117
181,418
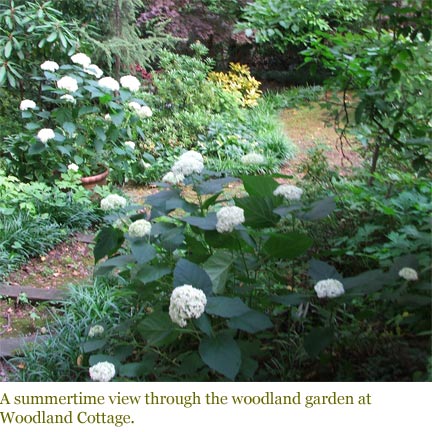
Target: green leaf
217,267
214,186
188,273
320,209
69,127
141,250
251,322
93,359
148,273
209,201
293,299
52,36
207,223
317,340
259,186
93,345
8,49
37,148
108,241
172,239
204,324
259,211
222,354
365,283
319,270
139,369
117,118
113,263
158,329
226,307
287,246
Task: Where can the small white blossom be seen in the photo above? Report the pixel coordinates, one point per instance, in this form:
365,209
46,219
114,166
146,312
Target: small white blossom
81,59
113,201
139,228
102,372
134,105
144,111
68,98
253,159
172,178
186,302
188,163
130,82
130,144
27,104
330,288
50,66
107,117
68,83
229,217
45,135
408,273
109,83
96,330
94,70
73,167
289,192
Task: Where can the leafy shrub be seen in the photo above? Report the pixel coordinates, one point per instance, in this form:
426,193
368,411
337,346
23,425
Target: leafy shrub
240,82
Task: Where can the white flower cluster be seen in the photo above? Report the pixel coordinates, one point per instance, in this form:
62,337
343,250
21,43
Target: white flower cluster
102,372
68,83
229,217
289,192
50,66
68,98
27,104
45,135
140,228
81,59
172,178
253,159
408,274
112,202
109,83
186,302
94,70
96,330
130,82
141,110
130,144
188,163
73,167
330,288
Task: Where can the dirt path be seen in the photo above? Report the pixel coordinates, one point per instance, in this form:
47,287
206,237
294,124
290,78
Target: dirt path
309,128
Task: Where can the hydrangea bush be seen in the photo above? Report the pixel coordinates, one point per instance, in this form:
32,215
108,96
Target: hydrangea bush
81,119
217,275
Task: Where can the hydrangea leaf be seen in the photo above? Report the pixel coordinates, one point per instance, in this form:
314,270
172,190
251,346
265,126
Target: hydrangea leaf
217,267
260,186
287,246
226,307
188,273
251,322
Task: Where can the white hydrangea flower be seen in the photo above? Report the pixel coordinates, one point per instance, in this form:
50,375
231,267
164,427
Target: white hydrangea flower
186,302
102,372
109,83
68,83
229,217
27,104
408,273
94,70
107,117
49,65
81,59
134,105
45,135
172,178
96,330
73,167
289,192
188,163
68,98
112,202
130,82
144,111
140,228
253,159
330,288
130,144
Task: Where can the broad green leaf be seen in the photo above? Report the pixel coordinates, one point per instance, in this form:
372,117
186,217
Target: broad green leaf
139,369
150,273
108,241
320,209
172,239
259,211
251,322
93,345
293,299
287,246
113,263
226,307
158,329
207,223
188,273
214,186
141,250
217,267
204,324
222,354
259,186
319,270
37,148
